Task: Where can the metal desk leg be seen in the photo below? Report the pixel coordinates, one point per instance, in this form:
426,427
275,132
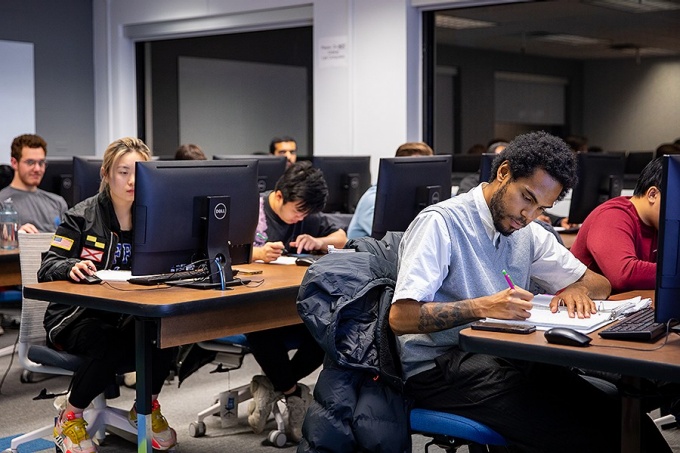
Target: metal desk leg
145,336
631,418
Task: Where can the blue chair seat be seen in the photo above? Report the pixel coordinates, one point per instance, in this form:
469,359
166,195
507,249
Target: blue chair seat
433,423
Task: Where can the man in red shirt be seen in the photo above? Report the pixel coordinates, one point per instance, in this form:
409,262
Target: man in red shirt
619,238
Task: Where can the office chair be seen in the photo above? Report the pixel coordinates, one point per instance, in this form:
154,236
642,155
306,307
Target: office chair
231,350
35,357
450,432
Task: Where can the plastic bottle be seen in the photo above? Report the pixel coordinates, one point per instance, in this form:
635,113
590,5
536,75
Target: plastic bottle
9,224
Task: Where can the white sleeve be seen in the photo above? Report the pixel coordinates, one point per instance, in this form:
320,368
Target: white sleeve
554,266
424,258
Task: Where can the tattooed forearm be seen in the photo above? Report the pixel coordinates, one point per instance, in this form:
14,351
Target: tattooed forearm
436,316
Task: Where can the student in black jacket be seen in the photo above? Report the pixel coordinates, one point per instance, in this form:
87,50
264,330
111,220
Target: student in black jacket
97,234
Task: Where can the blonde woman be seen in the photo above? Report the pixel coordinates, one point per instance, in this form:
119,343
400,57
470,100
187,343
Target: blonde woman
97,234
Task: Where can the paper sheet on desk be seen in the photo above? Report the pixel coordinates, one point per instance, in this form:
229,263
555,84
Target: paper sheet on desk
114,276
608,311
287,260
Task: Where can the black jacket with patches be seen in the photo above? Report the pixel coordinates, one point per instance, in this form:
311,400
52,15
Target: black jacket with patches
91,224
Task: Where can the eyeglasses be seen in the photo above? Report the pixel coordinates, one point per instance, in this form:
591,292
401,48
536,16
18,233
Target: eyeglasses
30,162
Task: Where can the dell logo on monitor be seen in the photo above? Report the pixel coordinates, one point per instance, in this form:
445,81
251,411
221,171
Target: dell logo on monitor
435,197
220,211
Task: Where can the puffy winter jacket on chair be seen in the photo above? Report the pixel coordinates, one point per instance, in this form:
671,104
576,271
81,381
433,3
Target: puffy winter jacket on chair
344,301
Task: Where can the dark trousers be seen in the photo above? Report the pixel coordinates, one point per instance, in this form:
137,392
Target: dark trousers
108,350
536,407
270,349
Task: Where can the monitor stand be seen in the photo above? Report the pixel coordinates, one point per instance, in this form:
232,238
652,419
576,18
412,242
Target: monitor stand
215,221
350,184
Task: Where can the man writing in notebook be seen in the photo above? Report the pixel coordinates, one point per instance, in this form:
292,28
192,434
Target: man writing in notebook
451,260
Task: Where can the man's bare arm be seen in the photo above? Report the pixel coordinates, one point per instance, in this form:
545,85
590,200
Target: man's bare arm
411,316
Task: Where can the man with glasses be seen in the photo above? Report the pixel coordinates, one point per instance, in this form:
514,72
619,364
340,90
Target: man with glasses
39,211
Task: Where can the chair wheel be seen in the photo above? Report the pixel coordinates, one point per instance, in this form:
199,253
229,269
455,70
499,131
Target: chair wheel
26,377
197,429
277,438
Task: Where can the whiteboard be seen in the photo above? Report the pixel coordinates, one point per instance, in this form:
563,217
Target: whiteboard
17,94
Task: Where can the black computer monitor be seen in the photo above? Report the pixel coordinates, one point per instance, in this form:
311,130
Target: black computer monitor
637,160
667,297
348,177
58,177
86,177
269,168
485,166
465,163
406,185
193,211
600,177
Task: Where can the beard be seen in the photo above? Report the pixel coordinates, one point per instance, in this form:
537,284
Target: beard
500,213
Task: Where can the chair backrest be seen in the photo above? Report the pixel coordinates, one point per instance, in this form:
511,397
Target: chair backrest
31,329
31,247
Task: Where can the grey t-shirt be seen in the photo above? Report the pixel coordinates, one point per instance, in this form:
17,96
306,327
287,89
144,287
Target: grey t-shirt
40,208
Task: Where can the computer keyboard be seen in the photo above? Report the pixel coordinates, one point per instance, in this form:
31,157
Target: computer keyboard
159,279
639,326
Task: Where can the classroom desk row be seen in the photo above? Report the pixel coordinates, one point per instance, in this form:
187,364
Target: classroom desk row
175,316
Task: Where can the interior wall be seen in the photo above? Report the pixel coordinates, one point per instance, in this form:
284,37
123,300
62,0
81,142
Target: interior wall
632,107
61,33
476,72
236,107
17,94
291,48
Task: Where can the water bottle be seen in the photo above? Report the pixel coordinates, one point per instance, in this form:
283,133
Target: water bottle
9,224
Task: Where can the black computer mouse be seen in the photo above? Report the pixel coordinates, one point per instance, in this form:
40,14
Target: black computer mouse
306,259
567,336
90,280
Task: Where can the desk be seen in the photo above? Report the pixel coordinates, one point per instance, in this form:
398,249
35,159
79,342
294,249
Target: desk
10,273
176,316
661,364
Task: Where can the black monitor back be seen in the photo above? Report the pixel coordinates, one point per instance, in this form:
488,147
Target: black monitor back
170,211
465,163
86,177
347,177
600,177
667,297
58,177
269,168
406,185
485,166
637,160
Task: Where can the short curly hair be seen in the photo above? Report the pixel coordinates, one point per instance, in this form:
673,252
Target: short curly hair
528,152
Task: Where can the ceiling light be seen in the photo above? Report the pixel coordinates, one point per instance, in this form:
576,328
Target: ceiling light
562,38
460,23
637,6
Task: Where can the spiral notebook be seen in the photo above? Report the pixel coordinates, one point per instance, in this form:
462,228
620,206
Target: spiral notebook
608,312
